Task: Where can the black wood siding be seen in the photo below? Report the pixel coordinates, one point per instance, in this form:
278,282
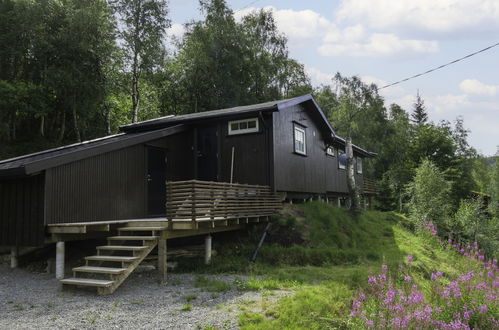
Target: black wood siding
315,173
252,155
110,186
21,211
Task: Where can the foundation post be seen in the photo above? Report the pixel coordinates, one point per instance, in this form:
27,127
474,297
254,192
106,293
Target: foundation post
339,201
207,249
14,254
162,267
59,260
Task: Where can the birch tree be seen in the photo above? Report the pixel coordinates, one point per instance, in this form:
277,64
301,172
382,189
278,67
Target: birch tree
143,24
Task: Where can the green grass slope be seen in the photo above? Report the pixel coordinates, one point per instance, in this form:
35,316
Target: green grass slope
324,256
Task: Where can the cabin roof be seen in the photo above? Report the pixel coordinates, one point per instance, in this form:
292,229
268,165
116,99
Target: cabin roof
228,112
154,129
33,163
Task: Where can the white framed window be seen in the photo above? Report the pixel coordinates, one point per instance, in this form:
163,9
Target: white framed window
359,164
330,151
341,158
243,126
300,140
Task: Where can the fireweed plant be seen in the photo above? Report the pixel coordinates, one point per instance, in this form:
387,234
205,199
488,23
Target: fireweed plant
395,299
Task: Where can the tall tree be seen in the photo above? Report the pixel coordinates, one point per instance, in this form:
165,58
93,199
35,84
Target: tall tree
143,24
354,99
419,115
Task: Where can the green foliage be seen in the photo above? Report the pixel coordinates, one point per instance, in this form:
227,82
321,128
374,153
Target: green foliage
429,195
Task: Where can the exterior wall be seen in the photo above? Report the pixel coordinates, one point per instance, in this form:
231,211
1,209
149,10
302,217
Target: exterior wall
110,186
315,173
21,211
252,156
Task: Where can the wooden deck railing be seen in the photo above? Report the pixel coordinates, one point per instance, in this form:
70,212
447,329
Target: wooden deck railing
370,187
196,200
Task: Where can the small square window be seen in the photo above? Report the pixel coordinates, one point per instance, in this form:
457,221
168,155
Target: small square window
342,159
359,165
330,151
300,140
243,126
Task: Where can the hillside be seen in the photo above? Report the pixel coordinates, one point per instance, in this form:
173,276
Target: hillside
324,257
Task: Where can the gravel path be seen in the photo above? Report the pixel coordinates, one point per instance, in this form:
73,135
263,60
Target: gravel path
32,301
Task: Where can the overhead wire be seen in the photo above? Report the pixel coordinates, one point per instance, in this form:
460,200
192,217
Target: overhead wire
441,66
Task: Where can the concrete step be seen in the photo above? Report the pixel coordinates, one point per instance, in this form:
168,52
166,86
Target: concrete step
112,258
121,248
87,282
132,238
100,270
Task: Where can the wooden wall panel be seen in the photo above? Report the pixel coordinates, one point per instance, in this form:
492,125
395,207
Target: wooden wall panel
22,211
110,186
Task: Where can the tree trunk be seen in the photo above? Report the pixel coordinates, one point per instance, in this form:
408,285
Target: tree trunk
63,127
75,123
107,114
135,99
353,190
42,126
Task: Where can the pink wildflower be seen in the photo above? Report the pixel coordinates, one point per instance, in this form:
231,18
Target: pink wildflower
483,309
410,258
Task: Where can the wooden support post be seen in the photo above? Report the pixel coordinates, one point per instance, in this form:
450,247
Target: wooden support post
59,260
14,255
339,202
207,249
162,259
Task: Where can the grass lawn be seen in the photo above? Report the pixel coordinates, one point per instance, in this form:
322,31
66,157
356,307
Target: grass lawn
324,256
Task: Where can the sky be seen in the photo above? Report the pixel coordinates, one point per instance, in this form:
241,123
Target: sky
384,41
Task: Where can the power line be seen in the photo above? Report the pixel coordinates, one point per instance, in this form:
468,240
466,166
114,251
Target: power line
249,4
441,66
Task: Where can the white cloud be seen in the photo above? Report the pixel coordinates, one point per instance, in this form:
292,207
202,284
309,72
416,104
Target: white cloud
476,87
447,103
442,16
176,30
299,24
318,77
379,44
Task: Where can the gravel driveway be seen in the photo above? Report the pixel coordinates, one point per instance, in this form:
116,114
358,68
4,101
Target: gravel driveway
32,301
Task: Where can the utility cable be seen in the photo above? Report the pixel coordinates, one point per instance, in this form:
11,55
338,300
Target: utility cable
441,66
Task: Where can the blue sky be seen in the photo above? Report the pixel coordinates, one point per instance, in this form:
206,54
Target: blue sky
384,41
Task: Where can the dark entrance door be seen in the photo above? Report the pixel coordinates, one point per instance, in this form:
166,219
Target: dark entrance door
207,153
156,181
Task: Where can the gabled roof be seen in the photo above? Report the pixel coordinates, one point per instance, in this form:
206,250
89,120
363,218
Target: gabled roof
228,112
33,163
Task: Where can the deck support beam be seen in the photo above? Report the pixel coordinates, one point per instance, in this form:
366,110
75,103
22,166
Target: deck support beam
14,257
207,249
59,260
162,260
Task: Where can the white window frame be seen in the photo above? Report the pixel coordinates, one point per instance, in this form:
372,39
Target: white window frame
358,162
340,166
244,130
301,130
330,151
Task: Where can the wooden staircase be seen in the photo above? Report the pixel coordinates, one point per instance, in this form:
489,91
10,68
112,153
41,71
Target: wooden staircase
116,261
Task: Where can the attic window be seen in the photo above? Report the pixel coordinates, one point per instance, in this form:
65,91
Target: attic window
243,126
330,151
300,140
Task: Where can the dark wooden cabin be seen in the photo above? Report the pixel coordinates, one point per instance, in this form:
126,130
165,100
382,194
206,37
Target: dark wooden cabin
288,145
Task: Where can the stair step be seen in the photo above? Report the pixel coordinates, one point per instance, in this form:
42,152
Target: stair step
112,258
87,282
100,270
121,248
142,228
132,238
